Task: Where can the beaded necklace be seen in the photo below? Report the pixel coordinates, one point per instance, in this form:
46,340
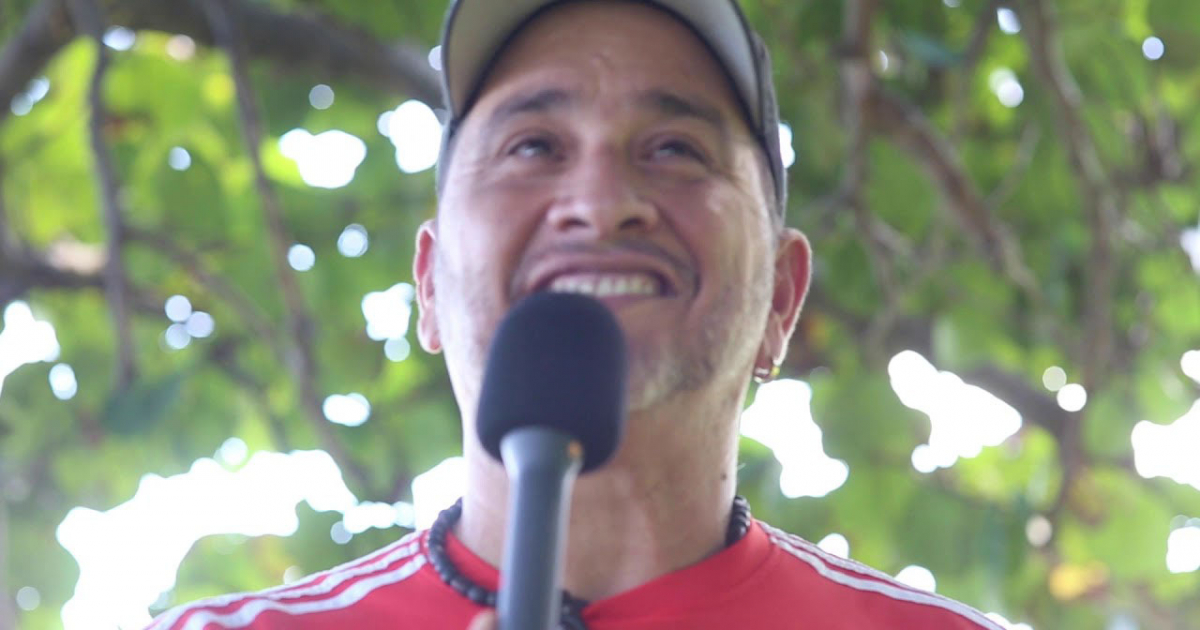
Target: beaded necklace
572,607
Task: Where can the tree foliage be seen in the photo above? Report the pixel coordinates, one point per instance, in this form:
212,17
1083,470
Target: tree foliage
996,240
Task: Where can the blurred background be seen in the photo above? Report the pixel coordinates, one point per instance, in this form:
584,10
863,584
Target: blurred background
209,381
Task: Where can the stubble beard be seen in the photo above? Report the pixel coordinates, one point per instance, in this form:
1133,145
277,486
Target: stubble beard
686,362
694,359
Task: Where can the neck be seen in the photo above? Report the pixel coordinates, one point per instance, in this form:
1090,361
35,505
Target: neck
625,517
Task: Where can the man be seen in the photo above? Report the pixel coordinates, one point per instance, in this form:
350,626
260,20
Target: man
626,150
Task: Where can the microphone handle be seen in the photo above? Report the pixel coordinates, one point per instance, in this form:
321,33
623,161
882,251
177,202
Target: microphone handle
542,465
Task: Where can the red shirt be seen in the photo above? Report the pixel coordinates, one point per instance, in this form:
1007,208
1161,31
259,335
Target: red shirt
768,580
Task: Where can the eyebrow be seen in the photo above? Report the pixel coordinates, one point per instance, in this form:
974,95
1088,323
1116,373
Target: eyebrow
662,102
672,105
541,101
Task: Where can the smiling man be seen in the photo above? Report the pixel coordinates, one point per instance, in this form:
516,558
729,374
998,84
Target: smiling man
628,151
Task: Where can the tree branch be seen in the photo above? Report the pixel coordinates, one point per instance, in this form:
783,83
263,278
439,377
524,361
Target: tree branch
223,355
46,29
190,262
316,44
86,14
1046,55
905,125
8,616
21,271
985,23
7,240
1034,405
1026,148
299,323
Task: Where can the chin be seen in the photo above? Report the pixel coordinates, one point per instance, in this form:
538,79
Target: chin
655,378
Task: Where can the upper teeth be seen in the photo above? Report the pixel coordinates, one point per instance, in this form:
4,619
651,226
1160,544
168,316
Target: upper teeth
606,284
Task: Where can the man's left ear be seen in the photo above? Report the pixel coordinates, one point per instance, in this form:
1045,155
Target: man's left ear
793,274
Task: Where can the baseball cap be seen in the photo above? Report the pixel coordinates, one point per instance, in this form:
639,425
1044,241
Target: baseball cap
476,31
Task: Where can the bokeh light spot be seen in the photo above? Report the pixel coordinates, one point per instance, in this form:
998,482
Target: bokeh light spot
1007,20
179,159
339,534
301,257
181,47
350,410
1038,530
62,382
38,88
200,325
292,574
1153,48
321,96
917,576
388,312
435,58
353,241
21,104
1054,378
397,350
28,598
1004,84
835,544
1072,397
786,149
232,452
176,337
178,308
120,38
416,133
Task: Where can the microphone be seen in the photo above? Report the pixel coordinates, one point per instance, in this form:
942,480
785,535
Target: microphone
552,406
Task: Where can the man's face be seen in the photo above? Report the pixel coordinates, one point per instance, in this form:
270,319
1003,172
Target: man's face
606,155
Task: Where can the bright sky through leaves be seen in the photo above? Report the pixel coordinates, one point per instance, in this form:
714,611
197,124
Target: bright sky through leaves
964,418
780,419
349,410
326,160
388,312
149,535
24,340
416,133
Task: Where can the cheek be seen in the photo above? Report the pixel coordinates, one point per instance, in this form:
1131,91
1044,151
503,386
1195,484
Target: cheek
722,230
484,237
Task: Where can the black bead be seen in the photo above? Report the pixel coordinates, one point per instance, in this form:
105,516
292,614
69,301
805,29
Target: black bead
477,594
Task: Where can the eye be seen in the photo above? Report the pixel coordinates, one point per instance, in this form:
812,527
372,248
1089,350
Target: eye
675,148
532,147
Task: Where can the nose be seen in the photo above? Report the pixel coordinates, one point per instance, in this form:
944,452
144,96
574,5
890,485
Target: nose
601,194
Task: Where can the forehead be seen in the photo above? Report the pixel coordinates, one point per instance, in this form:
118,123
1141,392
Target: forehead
607,49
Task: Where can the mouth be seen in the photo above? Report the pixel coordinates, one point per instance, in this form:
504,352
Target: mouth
608,284
613,279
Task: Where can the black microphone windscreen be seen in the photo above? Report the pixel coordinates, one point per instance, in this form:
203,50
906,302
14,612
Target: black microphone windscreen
558,361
